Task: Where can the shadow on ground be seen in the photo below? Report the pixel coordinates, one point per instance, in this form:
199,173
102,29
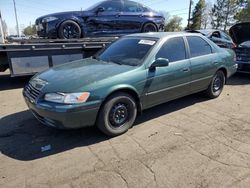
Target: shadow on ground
22,136
239,79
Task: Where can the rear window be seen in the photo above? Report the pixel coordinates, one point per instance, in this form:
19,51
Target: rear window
198,46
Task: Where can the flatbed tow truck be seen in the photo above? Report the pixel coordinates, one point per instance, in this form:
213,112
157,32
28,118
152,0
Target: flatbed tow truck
27,57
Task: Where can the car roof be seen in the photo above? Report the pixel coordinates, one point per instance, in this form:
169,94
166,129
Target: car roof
161,35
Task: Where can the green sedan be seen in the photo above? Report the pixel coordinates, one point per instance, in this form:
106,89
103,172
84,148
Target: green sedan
135,73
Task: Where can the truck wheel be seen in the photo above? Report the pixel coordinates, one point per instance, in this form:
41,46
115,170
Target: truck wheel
69,30
149,27
216,86
117,115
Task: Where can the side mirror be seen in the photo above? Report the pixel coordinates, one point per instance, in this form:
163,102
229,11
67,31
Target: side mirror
100,9
160,62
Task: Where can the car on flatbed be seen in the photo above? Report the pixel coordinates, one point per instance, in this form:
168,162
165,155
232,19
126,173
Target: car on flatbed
134,73
106,18
241,36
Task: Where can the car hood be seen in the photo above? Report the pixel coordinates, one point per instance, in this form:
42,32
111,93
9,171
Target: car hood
240,32
63,14
72,77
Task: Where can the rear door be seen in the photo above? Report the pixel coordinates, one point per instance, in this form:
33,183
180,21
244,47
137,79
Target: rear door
173,81
203,62
131,17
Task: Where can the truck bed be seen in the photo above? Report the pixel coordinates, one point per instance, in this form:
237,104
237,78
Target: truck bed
27,57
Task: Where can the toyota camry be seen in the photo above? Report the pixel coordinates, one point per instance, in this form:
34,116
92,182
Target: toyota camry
135,73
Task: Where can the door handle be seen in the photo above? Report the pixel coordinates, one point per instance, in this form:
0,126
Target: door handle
141,15
185,70
117,15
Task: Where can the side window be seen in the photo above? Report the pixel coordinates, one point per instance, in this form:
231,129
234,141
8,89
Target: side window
216,34
111,6
173,50
130,6
198,46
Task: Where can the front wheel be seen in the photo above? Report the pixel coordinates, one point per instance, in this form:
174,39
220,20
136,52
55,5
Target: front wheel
117,115
69,30
216,86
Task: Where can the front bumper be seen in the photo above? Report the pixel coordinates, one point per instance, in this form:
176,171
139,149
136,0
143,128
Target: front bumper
243,67
64,116
47,30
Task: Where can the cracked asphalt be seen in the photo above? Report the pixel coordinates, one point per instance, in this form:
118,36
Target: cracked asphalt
189,142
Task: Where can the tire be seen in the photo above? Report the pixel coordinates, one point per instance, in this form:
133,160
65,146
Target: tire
216,86
149,27
117,115
69,30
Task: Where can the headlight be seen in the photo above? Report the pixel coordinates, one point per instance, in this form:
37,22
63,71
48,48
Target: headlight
49,19
67,98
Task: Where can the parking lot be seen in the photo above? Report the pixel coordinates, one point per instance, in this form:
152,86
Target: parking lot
189,142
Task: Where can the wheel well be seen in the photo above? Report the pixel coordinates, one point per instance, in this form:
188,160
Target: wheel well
130,92
73,20
224,70
150,23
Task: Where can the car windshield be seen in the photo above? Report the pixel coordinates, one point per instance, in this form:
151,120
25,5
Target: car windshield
245,44
127,51
94,6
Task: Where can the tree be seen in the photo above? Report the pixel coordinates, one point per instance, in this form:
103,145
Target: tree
206,17
198,15
30,30
244,14
174,24
223,13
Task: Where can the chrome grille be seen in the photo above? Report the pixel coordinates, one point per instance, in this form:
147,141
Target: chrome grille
32,92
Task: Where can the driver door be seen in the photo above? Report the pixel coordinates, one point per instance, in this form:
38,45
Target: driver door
104,20
170,82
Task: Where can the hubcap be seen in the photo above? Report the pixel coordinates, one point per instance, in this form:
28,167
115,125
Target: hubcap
70,31
218,82
118,115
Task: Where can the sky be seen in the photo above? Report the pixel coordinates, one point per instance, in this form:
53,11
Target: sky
29,10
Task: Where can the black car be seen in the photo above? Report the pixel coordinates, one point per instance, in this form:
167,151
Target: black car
240,34
218,37
106,18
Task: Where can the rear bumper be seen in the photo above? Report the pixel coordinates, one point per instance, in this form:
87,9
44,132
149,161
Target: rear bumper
64,116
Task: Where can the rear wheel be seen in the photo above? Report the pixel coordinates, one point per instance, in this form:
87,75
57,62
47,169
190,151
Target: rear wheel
216,86
69,30
149,27
117,115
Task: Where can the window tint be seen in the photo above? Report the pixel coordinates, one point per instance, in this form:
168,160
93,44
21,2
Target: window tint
198,46
173,50
111,6
216,34
130,6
